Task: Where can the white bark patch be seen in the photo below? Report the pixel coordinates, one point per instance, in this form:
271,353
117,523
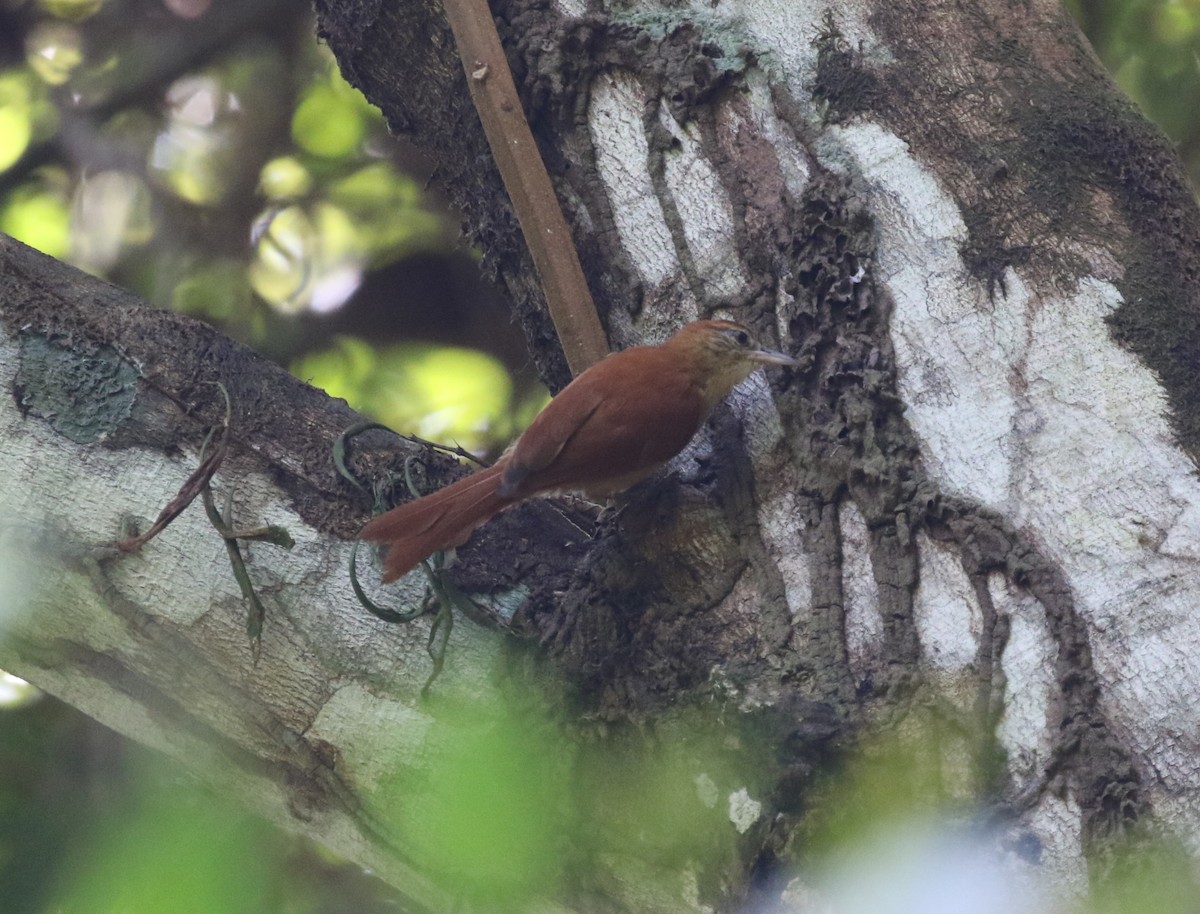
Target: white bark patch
1026,405
656,324
864,623
782,532
315,631
785,31
1183,536
780,524
1028,666
87,490
396,739
1056,823
793,161
622,154
572,8
704,209
946,610
744,810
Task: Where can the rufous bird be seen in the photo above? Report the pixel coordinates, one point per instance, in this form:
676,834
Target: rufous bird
612,426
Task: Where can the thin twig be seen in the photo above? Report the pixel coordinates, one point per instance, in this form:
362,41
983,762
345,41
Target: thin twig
382,612
195,484
546,234
441,591
254,619
455,449
341,450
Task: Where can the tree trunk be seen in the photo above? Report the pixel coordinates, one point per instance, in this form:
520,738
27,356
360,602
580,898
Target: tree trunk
975,502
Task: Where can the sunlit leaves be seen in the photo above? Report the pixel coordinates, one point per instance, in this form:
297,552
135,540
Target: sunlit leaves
442,390
307,258
343,370
39,216
389,209
311,255
195,152
284,178
438,392
71,10
25,114
332,208
15,131
1174,23
332,205
210,147
331,119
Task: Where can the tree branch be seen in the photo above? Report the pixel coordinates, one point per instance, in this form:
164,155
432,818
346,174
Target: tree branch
546,233
108,404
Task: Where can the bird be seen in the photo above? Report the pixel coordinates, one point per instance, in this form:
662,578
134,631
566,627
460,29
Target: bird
614,425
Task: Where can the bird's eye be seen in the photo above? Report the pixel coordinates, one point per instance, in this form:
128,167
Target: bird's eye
742,337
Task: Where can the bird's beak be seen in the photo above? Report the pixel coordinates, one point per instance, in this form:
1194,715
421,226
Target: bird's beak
772,357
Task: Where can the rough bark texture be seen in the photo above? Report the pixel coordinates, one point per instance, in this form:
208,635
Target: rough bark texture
109,403
975,501
882,185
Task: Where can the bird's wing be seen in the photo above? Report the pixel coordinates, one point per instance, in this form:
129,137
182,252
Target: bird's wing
630,416
548,434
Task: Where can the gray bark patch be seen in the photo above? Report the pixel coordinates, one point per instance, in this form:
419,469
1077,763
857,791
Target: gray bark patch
83,394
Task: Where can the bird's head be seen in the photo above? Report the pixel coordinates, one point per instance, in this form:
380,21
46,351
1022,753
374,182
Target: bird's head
723,354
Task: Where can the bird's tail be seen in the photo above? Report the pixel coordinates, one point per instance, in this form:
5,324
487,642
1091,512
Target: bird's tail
440,520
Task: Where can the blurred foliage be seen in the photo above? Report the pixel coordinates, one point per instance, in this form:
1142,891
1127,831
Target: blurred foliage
508,808
229,173
486,813
442,393
505,804
923,770
92,824
906,824
259,160
16,692
179,849
1152,47
207,155
499,804
1149,876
